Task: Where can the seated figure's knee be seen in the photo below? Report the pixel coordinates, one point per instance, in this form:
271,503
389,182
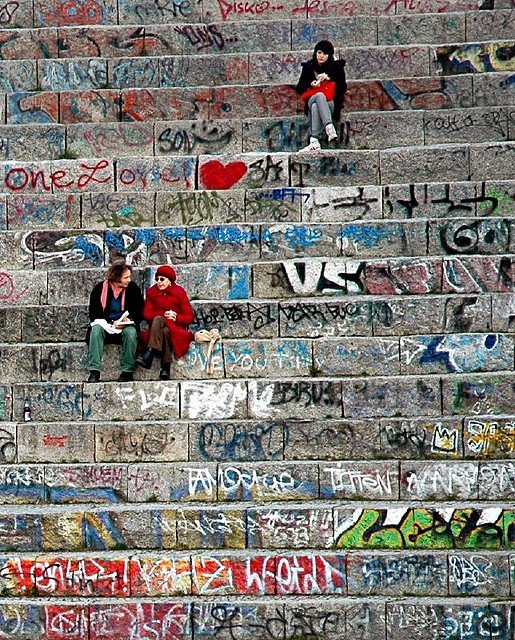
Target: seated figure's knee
130,333
158,322
96,331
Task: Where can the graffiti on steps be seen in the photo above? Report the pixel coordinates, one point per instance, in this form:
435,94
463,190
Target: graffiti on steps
215,175
476,58
240,442
201,207
9,291
21,178
436,528
7,11
201,137
203,36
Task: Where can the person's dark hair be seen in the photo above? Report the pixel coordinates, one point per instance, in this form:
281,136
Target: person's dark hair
117,269
328,48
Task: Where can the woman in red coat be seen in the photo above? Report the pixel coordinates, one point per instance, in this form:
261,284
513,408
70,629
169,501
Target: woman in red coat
168,311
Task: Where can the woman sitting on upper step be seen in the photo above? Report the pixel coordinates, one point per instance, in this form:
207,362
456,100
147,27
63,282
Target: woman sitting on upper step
321,85
168,312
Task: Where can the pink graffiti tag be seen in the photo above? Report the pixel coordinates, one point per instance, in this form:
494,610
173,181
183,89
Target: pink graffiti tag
7,289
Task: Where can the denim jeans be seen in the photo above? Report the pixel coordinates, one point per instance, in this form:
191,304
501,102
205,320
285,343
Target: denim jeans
320,114
97,337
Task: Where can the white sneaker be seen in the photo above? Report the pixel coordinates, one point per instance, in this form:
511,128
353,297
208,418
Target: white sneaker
314,145
331,132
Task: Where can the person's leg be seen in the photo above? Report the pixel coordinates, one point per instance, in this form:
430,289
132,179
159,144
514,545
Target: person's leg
128,350
324,112
156,338
154,344
96,348
166,353
316,125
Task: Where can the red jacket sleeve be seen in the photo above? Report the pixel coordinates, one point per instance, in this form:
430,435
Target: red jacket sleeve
185,314
149,311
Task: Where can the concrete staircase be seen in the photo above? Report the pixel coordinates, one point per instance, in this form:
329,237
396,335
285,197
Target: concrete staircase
347,470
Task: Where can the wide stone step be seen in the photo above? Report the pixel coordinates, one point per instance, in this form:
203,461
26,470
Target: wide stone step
291,279
259,483
146,574
112,13
259,101
93,248
399,542
186,39
146,72
299,318
285,357
472,437
326,168
360,130
336,617
312,398
273,35
285,206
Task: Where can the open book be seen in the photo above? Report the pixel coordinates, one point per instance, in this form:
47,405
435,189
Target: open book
124,319
110,328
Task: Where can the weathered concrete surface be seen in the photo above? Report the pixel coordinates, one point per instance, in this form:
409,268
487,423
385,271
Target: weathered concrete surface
22,288
430,165
476,125
132,442
72,75
348,31
354,444
91,140
18,75
24,107
117,210
387,574
383,239
410,29
133,401
41,211
32,141
340,204
55,442
373,130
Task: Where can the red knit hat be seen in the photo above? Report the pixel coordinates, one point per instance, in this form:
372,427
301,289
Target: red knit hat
167,271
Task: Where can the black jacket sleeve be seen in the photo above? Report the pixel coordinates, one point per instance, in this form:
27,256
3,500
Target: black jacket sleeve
134,303
338,75
307,75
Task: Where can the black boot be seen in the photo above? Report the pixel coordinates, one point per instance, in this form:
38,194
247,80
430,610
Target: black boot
146,358
94,376
126,376
164,374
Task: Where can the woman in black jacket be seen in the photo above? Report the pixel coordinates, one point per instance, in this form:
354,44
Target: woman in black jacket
322,85
109,300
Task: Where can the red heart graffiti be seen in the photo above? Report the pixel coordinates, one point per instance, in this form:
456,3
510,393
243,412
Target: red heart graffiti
214,175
